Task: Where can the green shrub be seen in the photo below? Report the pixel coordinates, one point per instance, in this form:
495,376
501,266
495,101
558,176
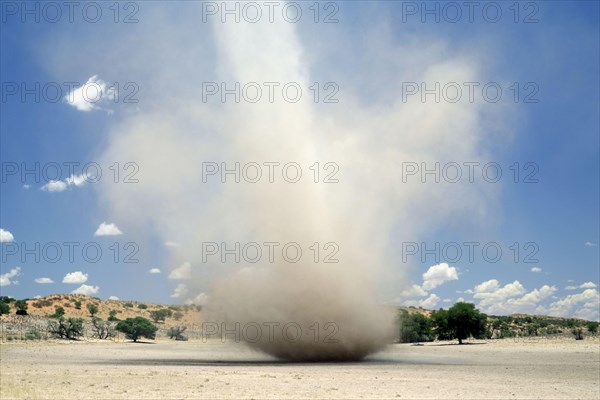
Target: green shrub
21,306
135,328
71,328
42,303
92,308
78,304
177,333
112,315
129,305
142,306
59,312
160,315
4,308
33,335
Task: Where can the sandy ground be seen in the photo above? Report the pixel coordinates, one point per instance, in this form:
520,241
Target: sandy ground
543,369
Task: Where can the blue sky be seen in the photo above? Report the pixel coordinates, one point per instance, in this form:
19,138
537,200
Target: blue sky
559,134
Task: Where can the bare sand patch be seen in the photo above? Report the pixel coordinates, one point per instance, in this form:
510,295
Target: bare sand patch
500,369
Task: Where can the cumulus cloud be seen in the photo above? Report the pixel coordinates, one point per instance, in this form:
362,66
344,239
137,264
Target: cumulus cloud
6,279
184,271
180,291
581,305
590,244
75,277
536,269
199,300
26,186
430,302
86,289
511,298
43,280
107,230
154,270
587,285
113,298
54,186
6,236
60,186
437,275
413,291
91,95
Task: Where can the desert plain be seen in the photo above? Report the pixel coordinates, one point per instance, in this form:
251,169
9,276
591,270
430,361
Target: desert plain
196,369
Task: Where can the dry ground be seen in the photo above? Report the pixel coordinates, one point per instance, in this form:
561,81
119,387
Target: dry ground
501,369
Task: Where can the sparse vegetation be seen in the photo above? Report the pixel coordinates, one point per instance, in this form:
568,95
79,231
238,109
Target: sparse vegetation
42,303
59,312
135,328
128,305
112,315
160,315
142,306
78,304
578,333
4,308
103,329
21,307
70,328
177,333
92,309
592,327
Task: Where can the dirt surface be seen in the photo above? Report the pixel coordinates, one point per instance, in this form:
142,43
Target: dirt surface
500,369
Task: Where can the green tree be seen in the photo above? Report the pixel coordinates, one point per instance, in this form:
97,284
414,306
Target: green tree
21,306
592,327
439,320
160,315
142,306
465,320
4,308
414,327
58,312
135,328
92,308
112,315
78,305
70,328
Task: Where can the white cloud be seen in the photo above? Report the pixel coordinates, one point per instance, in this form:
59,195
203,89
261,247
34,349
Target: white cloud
511,298
430,302
413,291
107,230
170,243
184,271
199,300
37,296
43,280
6,236
437,275
180,291
59,186
54,186
571,287
536,269
581,305
113,298
90,95
6,279
154,270
447,300
26,186
590,244
75,277
86,289
587,285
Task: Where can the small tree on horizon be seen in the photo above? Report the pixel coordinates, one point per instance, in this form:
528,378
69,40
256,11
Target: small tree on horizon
92,308
21,306
461,321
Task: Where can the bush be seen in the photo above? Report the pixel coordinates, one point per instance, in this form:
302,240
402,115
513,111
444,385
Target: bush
414,328
21,306
33,335
177,333
592,327
142,306
112,315
103,329
78,304
129,305
59,312
578,333
178,315
4,308
71,328
92,308
160,315
135,328
42,303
